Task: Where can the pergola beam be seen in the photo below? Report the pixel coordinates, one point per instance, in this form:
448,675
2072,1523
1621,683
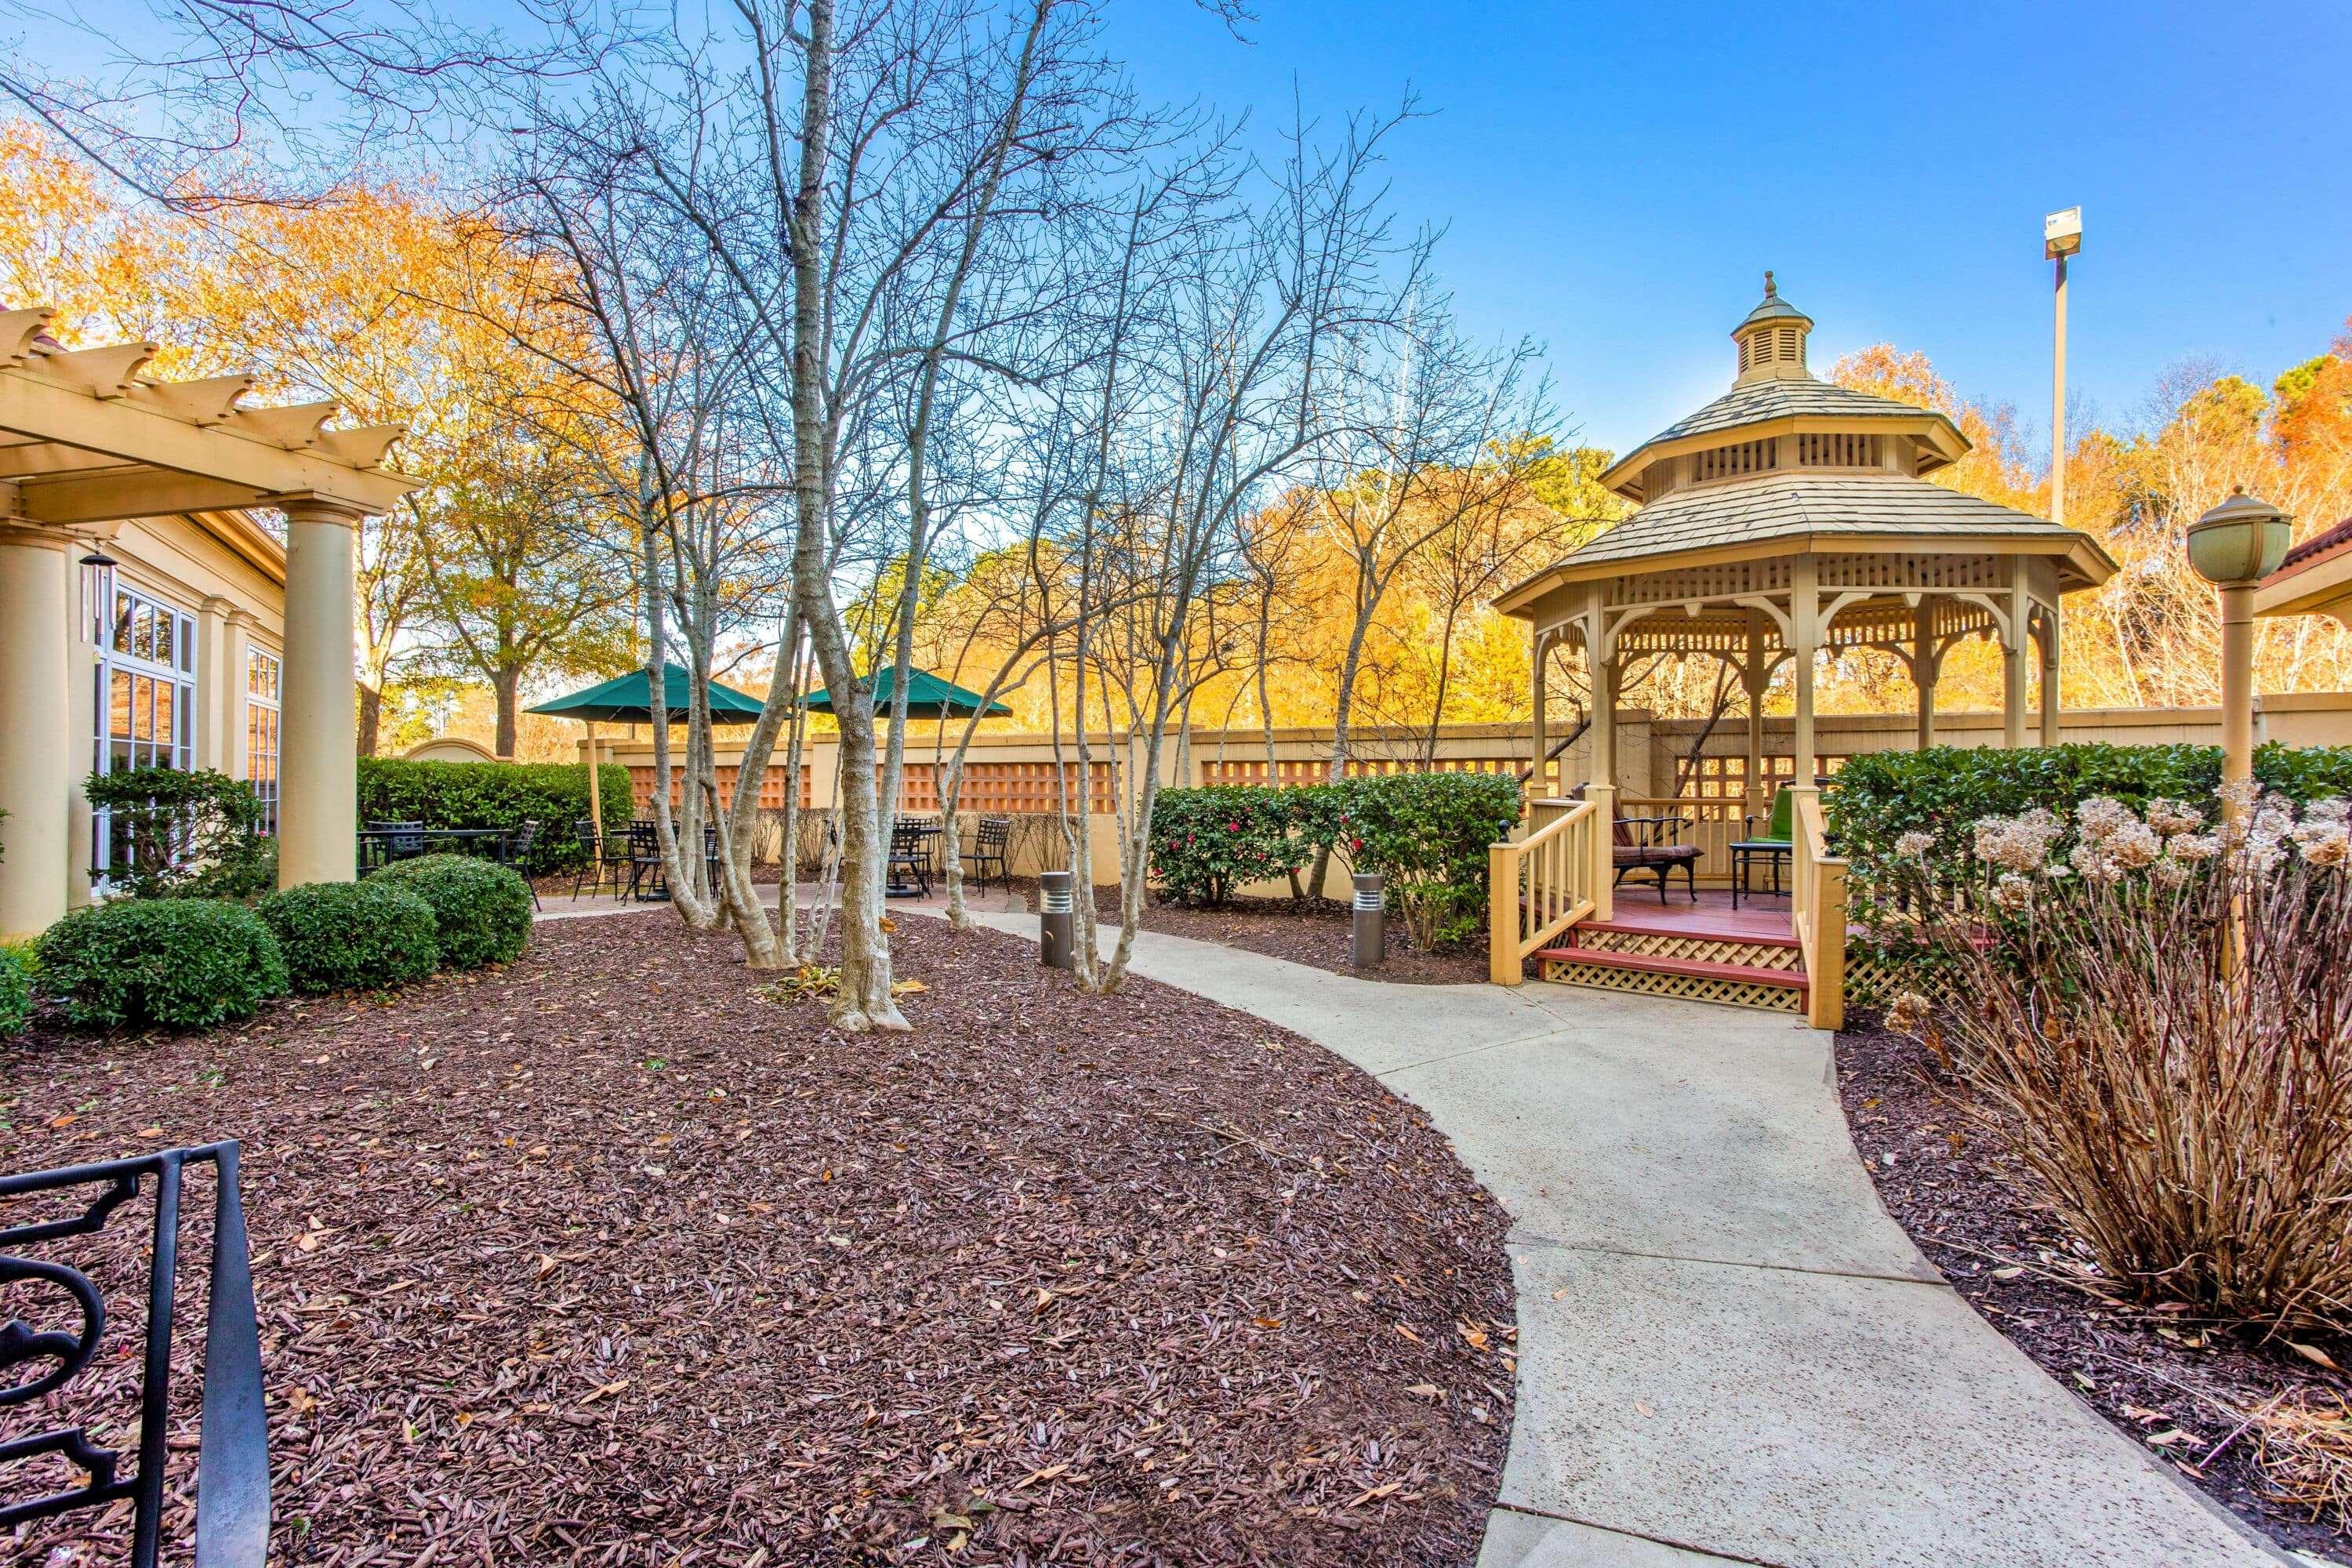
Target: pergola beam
132,492
35,407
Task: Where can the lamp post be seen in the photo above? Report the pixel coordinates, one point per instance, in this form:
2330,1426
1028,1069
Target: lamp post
2234,546
2061,237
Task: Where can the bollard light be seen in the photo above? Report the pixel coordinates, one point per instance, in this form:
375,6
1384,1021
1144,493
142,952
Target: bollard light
1371,920
2233,547
1055,921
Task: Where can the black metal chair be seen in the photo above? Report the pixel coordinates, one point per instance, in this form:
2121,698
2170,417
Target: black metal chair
401,840
992,845
590,872
644,855
232,1459
910,847
514,852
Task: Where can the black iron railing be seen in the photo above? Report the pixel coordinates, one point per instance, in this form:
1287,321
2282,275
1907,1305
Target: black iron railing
233,1441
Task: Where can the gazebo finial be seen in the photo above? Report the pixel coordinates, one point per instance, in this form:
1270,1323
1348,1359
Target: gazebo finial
1769,291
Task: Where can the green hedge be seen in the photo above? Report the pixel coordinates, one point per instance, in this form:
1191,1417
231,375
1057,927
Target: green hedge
352,936
481,912
1427,833
1942,790
15,989
184,833
186,963
495,795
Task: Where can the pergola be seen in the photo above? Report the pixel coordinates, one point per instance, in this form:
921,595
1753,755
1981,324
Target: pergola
1792,517
86,443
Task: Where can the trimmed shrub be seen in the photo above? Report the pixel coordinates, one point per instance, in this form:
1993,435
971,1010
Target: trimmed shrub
352,936
495,795
15,989
1427,833
186,963
1205,841
481,912
183,835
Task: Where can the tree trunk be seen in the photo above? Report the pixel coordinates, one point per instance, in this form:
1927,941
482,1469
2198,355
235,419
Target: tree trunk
370,717
506,685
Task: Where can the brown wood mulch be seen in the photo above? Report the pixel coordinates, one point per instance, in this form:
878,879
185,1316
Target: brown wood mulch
604,1258
2167,1379
1320,933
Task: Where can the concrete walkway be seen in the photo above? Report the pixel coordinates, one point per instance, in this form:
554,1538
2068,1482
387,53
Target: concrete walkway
1728,1350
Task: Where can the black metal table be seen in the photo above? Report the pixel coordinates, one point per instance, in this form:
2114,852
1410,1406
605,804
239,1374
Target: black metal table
926,831
456,840
1746,852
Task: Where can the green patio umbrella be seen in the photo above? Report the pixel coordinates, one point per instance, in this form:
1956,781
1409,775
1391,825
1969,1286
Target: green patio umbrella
928,697
624,700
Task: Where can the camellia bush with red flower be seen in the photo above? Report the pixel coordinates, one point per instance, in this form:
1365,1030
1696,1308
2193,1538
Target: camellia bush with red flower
1427,834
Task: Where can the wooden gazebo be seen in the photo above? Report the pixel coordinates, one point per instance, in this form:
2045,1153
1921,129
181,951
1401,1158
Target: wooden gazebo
1787,519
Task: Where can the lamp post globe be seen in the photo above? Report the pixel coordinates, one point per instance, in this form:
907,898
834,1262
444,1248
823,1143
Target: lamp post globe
2240,541
2233,547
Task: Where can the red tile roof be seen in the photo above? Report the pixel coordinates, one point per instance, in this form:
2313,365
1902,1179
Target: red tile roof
2317,548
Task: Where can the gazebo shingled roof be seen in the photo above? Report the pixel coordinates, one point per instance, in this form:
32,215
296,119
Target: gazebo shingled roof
1789,517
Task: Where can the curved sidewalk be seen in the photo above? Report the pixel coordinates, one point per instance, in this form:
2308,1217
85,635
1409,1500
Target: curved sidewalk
1728,1350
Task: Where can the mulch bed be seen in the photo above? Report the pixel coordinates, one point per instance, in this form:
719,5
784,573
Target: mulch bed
606,1258
1320,933
2152,1372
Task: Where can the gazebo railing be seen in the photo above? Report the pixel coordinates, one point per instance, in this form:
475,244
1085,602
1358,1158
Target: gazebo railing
1818,910
1542,883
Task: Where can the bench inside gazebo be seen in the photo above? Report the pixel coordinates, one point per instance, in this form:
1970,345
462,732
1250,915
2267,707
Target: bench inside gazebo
1786,520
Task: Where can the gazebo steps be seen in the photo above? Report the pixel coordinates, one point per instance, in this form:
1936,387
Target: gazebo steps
1743,974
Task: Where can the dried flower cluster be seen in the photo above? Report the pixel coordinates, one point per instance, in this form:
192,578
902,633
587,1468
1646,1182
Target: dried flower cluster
2159,1025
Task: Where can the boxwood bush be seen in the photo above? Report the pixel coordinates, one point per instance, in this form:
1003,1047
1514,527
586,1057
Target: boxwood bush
352,936
186,963
495,795
1427,833
481,912
15,989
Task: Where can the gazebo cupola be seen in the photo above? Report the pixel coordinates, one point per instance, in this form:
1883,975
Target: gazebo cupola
1772,339
1790,517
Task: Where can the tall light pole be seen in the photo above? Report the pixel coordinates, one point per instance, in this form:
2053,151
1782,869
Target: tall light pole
2233,547
2061,237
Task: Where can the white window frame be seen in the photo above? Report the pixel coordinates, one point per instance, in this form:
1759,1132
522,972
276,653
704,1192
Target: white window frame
262,697
132,616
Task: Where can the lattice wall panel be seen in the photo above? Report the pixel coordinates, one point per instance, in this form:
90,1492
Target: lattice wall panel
1698,949
1689,987
1314,771
1873,982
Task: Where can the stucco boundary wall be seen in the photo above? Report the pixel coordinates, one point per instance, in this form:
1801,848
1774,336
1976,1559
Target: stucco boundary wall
1014,773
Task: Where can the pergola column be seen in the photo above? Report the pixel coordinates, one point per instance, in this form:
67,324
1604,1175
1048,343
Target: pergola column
318,738
1804,642
37,778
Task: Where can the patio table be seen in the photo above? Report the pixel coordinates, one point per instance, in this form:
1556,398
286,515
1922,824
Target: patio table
374,843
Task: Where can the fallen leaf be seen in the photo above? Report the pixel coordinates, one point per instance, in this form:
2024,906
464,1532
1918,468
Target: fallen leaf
1425,1391
1267,1322
907,987
1378,1491
1643,1407
2012,1272
2313,1355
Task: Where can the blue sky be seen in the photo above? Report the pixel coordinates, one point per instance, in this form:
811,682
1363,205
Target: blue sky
1614,178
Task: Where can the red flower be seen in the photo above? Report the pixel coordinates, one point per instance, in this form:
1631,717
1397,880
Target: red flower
1232,828
1355,844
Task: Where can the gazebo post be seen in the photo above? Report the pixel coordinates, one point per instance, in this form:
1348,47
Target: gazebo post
2050,646
2012,659
1804,642
1755,676
1925,668
1540,774
1601,659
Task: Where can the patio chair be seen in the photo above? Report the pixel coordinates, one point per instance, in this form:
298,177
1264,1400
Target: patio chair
645,854
514,852
1652,845
400,840
992,845
910,849
593,859
1775,847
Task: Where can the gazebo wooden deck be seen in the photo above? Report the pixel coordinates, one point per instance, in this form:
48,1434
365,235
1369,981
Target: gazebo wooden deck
1788,519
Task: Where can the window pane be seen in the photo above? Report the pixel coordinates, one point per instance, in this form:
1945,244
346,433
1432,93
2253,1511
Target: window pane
122,621
166,652
118,705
